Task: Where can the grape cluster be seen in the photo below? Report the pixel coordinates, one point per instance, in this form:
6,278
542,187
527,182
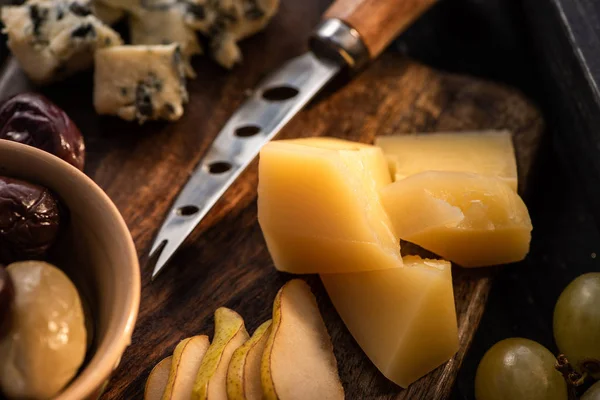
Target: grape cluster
521,369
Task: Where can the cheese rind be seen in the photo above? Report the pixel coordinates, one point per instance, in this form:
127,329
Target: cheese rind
470,219
303,254
320,211
373,158
487,153
52,40
140,82
403,318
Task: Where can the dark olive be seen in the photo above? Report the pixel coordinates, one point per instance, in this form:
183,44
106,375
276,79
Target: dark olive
7,295
29,220
34,120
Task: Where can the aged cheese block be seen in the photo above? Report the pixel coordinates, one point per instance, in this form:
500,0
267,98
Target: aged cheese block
53,39
140,82
486,153
470,219
320,211
403,318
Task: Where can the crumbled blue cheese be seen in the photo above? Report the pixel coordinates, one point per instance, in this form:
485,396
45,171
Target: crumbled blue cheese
226,22
54,39
140,82
223,22
105,13
159,22
164,25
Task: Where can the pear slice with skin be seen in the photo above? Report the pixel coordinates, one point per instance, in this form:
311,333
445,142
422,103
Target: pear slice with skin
243,375
298,362
187,358
230,334
157,380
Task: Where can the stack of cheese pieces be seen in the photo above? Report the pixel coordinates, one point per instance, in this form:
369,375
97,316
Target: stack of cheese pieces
287,357
340,208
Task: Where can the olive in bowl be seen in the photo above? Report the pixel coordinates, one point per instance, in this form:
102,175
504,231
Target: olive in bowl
45,342
96,252
7,294
29,220
32,119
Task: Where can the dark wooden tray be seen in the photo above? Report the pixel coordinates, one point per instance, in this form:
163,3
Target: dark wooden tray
225,262
566,37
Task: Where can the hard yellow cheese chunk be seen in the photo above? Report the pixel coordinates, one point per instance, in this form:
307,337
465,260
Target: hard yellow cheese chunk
487,153
470,219
403,318
320,210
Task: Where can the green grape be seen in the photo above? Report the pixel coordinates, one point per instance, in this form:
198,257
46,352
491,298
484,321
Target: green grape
577,323
519,369
593,393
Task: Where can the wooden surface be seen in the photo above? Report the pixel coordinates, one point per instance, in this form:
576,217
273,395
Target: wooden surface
378,21
225,263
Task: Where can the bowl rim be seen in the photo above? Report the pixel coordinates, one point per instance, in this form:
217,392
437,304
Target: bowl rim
108,361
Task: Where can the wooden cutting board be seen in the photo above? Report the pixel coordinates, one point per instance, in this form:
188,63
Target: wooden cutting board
225,261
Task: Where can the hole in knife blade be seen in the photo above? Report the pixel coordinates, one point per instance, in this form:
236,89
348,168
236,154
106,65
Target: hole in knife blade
219,167
187,211
247,130
280,93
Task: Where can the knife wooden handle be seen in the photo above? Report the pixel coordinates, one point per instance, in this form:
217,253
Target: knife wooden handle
378,21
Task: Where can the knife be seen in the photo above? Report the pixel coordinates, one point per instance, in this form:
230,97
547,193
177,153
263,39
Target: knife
351,33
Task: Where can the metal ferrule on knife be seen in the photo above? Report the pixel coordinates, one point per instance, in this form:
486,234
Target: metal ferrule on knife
336,40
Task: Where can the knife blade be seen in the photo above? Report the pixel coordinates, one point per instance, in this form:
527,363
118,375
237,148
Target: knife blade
351,33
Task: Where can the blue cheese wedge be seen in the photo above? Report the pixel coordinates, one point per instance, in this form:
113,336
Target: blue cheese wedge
159,22
52,40
164,24
140,82
226,22
107,14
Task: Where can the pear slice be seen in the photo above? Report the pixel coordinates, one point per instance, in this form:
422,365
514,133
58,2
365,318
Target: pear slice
157,380
230,334
243,375
298,361
187,358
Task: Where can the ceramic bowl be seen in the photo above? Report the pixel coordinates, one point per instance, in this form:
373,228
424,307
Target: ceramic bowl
97,253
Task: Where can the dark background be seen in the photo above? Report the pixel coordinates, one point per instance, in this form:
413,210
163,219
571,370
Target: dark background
527,44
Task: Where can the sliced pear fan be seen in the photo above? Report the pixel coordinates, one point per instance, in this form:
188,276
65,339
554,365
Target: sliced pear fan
157,380
230,334
187,358
298,361
243,376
